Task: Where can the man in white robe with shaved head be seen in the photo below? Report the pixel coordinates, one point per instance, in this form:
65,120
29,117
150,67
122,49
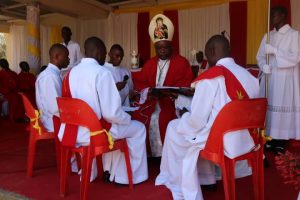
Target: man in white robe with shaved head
181,170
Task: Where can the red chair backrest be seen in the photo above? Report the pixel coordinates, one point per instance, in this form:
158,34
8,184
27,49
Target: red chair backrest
236,115
29,109
79,113
31,113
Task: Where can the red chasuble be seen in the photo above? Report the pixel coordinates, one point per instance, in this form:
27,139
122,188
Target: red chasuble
26,84
179,75
8,87
234,88
70,138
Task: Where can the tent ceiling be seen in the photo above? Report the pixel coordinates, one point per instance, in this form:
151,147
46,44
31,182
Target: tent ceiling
86,9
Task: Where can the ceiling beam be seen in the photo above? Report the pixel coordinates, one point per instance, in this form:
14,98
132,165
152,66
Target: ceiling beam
99,4
57,10
13,6
125,2
12,14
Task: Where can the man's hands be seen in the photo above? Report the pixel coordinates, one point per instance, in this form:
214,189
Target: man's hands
121,85
267,69
270,49
182,111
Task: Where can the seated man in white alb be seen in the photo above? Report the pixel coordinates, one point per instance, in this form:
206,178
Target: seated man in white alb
124,84
186,136
121,75
92,83
48,85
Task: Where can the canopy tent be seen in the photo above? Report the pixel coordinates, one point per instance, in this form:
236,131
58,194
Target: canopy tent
126,22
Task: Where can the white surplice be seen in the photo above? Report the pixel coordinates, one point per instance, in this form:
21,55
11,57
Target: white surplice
284,83
118,74
185,137
95,85
47,87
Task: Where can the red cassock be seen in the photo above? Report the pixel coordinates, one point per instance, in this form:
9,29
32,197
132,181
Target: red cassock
26,84
8,87
179,75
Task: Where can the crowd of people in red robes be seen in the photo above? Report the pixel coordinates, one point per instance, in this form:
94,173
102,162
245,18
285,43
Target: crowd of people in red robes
10,84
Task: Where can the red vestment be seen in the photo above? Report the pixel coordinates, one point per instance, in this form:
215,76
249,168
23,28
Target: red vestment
234,88
203,64
26,84
179,75
8,87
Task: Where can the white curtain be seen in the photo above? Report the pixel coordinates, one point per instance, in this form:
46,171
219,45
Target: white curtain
295,5
196,26
118,28
89,28
45,42
123,29
17,46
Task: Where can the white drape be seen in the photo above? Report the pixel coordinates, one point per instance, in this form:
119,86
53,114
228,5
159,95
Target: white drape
295,5
45,44
88,28
198,25
17,46
124,32
118,28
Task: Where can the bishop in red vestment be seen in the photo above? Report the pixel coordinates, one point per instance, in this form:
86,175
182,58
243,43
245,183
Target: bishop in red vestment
165,69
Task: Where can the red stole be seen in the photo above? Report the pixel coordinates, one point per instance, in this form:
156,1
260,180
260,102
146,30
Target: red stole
234,88
71,131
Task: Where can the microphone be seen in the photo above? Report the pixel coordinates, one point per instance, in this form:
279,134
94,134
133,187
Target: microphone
126,77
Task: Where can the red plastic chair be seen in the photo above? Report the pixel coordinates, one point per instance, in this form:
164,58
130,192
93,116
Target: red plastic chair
77,112
37,132
238,115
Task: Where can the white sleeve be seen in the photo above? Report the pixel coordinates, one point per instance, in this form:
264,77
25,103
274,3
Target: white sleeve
261,54
289,56
51,87
201,108
110,101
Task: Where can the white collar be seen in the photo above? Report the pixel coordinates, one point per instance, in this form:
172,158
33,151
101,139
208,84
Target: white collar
107,64
283,29
69,43
228,61
89,60
54,67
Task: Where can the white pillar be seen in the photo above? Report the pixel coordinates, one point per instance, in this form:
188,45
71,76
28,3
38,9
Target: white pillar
33,30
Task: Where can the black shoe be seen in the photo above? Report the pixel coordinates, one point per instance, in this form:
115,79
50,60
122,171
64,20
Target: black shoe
106,176
211,187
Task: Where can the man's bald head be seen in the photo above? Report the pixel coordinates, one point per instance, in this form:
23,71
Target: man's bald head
216,48
95,48
59,55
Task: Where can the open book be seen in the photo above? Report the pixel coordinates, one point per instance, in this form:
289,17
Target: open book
186,91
